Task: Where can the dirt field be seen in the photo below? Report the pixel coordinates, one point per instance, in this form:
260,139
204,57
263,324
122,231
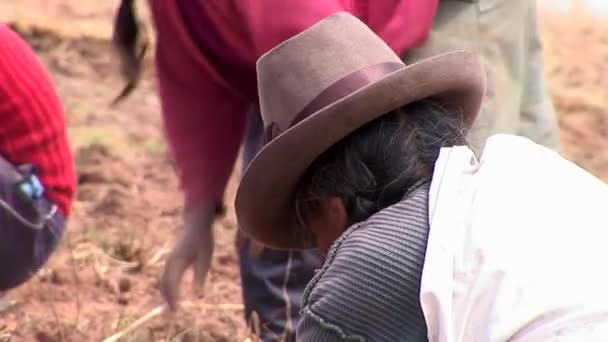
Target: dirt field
104,276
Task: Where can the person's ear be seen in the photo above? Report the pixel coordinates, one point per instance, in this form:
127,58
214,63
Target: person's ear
336,214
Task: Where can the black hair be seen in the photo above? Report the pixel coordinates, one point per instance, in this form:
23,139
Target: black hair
130,41
375,166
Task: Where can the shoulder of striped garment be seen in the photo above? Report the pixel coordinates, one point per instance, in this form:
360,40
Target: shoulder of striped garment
369,287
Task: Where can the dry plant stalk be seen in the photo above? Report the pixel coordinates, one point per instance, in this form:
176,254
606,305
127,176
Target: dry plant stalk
150,315
87,249
160,309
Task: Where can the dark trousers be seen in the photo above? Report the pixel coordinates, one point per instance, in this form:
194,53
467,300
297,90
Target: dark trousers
30,229
273,281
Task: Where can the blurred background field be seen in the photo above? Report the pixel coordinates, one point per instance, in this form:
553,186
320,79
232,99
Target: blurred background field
104,276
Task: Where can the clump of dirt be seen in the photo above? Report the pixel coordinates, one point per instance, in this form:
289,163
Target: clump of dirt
106,180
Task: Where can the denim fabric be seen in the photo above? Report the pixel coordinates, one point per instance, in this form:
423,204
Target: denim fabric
273,281
30,229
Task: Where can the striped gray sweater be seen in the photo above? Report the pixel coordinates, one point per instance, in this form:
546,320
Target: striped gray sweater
369,287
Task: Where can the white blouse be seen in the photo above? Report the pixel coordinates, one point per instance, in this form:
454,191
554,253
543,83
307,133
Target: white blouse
518,247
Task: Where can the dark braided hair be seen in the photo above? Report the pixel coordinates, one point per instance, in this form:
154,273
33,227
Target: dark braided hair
375,166
130,41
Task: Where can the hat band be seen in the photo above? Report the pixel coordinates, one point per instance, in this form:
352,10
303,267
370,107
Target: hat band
336,91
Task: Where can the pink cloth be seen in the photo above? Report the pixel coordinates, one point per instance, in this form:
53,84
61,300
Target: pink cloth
207,77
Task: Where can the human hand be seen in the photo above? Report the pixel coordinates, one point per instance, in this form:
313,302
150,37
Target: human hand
194,248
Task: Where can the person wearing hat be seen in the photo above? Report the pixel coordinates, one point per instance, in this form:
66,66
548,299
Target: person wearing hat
367,160
37,177
205,57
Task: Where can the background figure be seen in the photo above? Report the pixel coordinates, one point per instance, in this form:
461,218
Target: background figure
506,33
37,177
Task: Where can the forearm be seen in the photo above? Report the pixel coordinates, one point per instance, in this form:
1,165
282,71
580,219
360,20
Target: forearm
204,171
204,124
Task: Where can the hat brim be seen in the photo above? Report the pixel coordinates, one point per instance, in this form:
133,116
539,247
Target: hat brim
265,198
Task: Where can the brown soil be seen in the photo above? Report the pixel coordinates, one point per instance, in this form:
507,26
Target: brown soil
576,54
105,274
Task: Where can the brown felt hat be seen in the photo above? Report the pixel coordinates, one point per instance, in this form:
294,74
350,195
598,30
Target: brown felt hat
318,87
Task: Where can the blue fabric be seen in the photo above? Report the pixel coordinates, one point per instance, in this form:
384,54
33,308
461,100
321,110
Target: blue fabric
266,290
28,234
